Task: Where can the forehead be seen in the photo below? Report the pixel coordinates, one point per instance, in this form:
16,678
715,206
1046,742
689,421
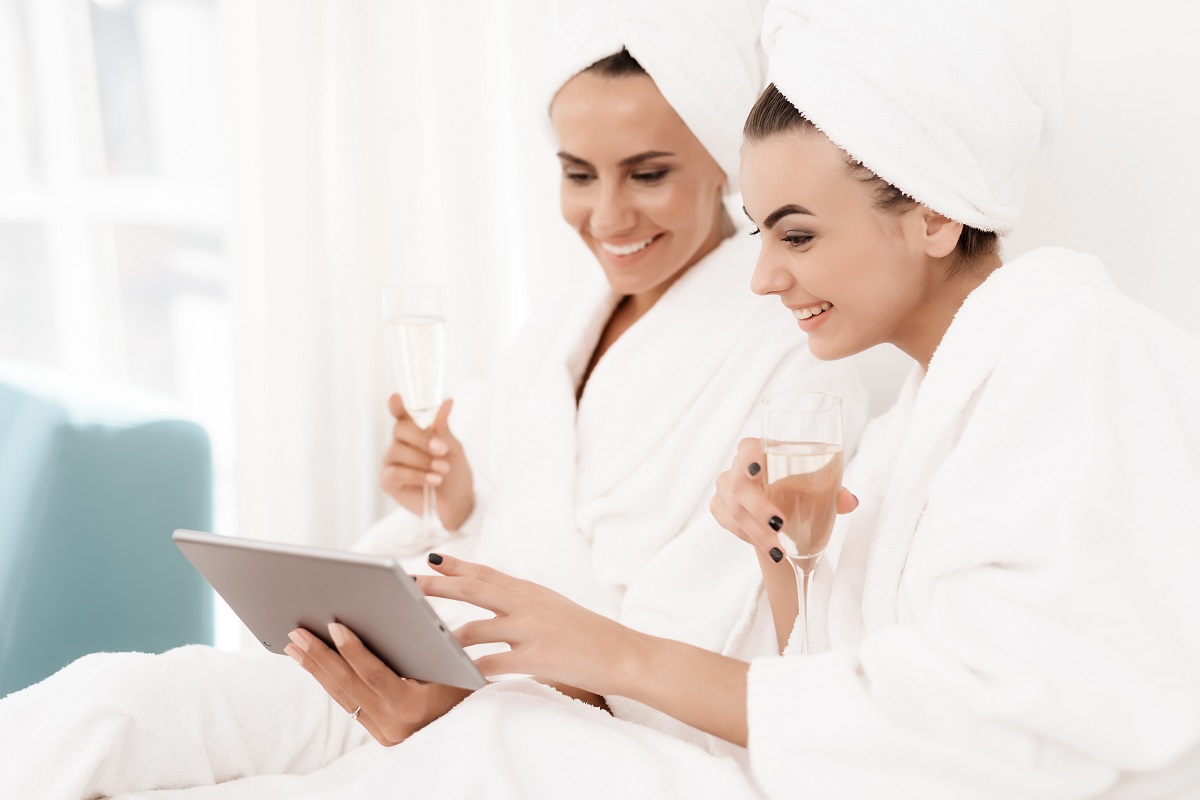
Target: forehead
623,115
801,167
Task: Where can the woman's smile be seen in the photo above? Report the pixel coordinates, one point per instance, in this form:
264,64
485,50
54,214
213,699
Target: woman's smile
809,317
813,310
626,254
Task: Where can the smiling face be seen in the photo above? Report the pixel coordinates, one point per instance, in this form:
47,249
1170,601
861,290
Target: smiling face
854,275
643,193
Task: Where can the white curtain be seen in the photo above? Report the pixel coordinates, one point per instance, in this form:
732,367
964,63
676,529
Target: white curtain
373,143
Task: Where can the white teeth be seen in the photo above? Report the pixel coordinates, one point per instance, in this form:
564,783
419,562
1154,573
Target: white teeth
812,311
626,249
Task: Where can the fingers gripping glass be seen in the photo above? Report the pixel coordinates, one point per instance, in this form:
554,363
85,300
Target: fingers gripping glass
802,450
414,318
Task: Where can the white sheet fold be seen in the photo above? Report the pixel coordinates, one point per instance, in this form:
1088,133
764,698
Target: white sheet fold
520,740
113,722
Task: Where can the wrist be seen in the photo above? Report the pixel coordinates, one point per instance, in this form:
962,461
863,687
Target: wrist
630,660
461,515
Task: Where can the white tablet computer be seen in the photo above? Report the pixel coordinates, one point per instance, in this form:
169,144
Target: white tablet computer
276,588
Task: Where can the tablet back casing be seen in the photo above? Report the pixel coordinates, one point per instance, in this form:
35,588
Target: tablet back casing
275,588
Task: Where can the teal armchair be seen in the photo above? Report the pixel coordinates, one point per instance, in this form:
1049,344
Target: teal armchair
93,480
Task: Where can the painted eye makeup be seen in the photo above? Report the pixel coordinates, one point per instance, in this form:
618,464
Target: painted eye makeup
650,177
797,238
576,176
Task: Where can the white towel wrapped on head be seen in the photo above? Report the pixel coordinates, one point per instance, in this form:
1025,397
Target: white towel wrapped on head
912,92
703,55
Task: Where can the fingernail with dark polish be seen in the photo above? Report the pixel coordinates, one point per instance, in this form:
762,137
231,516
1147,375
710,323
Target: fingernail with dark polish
776,554
434,558
775,522
754,468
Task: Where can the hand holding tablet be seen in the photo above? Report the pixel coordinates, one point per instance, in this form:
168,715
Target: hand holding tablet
275,588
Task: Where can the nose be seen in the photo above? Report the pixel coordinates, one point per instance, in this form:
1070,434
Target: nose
613,213
770,275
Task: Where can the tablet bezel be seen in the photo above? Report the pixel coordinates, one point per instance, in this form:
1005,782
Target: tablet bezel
275,588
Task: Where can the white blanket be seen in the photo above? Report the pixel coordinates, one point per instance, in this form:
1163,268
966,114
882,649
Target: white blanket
251,726
514,740
1014,611
193,716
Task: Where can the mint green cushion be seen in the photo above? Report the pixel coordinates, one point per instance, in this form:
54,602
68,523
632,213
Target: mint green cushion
93,480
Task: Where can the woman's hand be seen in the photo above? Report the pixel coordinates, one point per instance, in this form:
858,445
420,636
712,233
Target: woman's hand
741,507
391,708
561,642
549,636
416,458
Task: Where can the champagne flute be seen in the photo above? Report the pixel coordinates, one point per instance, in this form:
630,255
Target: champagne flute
802,451
415,320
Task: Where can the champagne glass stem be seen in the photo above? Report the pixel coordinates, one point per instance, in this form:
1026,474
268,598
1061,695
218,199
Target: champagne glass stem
803,567
430,524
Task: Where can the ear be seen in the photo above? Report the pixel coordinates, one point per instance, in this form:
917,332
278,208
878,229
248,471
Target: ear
939,234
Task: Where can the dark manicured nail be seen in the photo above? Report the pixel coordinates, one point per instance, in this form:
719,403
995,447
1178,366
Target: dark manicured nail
434,558
776,523
776,554
754,468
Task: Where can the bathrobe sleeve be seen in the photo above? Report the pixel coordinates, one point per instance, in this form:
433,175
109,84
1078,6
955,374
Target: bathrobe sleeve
1046,641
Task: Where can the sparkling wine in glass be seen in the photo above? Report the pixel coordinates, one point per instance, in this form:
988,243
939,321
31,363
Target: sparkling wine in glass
415,321
802,451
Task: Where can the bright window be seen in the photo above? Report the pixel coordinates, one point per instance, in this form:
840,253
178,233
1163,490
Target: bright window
113,207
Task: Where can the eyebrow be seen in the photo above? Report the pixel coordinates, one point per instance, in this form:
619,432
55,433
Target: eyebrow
624,162
779,214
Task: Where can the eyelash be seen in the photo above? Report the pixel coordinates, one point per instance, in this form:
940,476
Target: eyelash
642,177
650,177
795,240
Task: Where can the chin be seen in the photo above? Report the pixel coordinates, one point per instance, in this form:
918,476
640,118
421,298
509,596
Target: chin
831,351
637,281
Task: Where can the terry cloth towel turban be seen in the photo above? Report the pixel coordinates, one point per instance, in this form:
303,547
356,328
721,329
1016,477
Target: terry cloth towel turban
704,56
945,99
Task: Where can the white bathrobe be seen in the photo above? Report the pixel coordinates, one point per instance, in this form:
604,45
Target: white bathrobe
1015,611
607,503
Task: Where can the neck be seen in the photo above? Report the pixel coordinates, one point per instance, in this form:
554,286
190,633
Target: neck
943,300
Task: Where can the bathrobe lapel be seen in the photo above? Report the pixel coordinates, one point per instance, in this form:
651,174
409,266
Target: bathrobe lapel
941,403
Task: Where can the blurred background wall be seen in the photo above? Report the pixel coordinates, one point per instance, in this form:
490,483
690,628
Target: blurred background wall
205,197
